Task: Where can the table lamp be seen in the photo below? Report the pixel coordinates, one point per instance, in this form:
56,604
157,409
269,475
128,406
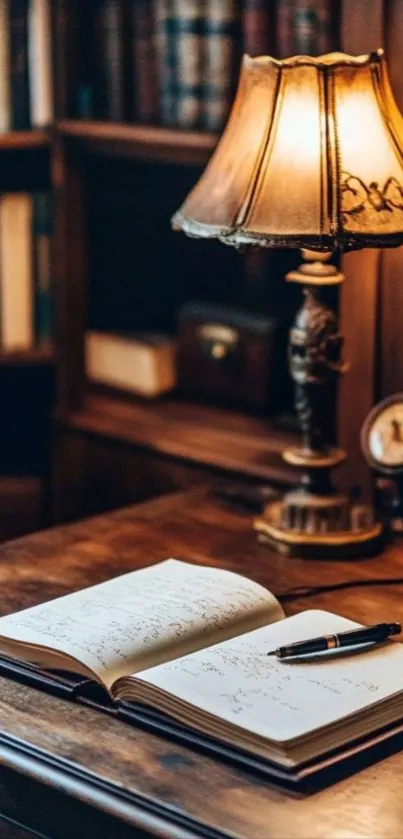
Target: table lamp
311,158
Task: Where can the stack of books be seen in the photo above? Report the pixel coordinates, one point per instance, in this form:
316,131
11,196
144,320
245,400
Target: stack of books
26,96
25,270
176,62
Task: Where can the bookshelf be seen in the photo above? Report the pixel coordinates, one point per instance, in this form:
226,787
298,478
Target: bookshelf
24,140
116,184
140,142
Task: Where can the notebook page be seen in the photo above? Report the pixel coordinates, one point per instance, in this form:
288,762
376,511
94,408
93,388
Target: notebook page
144,617
237,682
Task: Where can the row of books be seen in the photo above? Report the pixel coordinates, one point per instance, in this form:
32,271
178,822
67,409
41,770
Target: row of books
26,98
173,62
183,55
25,270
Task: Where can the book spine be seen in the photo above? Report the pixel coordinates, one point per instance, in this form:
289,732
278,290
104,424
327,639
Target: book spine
285,28
108,61
69,55
60,58
329,26
144,61
314,33
16,285
189,43
20,104
258,24
42,233
40,63
221,52
5,102
165,30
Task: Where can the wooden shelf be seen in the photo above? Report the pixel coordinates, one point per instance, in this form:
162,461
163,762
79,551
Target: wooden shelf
224,440
140,142
20,140
36,355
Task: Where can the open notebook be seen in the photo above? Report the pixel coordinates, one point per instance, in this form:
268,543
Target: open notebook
185,648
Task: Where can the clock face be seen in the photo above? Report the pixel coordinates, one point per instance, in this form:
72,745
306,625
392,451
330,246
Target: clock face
382,437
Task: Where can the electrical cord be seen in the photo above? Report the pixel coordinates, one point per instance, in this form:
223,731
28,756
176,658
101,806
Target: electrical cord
311,591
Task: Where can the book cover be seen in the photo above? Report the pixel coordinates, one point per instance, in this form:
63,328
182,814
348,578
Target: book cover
285,28
16,282
20,100
40,63
42,234
60,58
190,48
144,62
258,27
313,27
5,103
108,66
165,33
185,648
222,53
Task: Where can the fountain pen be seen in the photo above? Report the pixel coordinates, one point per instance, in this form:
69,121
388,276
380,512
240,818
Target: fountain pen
356,637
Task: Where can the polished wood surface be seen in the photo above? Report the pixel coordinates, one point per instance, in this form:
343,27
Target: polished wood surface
217,437
116,776
140,142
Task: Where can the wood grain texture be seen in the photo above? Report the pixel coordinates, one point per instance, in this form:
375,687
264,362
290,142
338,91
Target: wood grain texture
140,142
136,764
20,140
117,450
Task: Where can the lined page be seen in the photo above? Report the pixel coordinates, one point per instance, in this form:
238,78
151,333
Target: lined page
237,682
144,617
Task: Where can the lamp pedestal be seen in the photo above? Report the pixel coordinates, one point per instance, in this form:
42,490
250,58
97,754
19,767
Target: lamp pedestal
315,519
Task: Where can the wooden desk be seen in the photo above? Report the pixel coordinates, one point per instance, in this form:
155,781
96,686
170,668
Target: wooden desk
68,771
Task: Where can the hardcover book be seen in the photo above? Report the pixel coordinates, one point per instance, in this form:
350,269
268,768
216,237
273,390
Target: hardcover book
40,63
190,47
258,25
183,649
222,42
5,102
142,363
166,60
16,274
108,69
42,265
18,50
145,89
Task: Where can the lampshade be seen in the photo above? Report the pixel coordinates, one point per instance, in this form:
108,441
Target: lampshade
312,156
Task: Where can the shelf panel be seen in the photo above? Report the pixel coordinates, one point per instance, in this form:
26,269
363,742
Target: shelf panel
43,354
20,140
214,437
140,142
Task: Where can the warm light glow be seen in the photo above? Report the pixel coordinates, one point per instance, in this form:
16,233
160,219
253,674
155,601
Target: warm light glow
312,156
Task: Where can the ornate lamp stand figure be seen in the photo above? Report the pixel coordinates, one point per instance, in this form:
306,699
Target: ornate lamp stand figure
315,519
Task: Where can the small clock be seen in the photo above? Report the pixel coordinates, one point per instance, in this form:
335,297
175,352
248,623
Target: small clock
382,436
382,446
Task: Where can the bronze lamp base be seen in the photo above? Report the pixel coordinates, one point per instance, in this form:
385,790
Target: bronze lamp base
315,520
